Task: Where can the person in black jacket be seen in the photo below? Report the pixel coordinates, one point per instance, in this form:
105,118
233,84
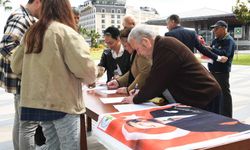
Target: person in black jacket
115,60
223,44
189,38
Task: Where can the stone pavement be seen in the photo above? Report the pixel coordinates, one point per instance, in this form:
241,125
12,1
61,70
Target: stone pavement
240,88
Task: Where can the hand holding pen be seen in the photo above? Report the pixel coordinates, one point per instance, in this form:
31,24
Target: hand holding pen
133,92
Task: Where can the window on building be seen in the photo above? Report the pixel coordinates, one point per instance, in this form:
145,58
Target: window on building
118,16
103,21
103,16
112,16
113,21
103,26
118,21
118,11
103,10
112,11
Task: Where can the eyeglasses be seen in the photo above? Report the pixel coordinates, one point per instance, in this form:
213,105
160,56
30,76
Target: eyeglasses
111,42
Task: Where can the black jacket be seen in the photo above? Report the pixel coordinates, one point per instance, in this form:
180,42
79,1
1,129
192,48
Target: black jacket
110,64
189,38
225,47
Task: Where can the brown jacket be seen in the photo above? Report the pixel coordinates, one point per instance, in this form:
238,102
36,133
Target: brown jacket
175,68
140,70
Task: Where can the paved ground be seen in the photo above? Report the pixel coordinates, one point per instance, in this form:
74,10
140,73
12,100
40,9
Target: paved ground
240,87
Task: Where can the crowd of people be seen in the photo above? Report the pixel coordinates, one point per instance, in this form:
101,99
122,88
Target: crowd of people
42,51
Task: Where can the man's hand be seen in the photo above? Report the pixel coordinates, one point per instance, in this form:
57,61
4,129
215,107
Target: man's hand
128,100
113,84
223,59
209,47
122,90
92,85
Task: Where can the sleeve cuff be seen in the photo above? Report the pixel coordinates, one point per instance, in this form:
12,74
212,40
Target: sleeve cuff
218,58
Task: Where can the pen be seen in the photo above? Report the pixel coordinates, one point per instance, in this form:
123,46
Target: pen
135,88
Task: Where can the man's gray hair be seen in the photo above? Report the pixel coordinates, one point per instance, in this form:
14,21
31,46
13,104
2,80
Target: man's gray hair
141,31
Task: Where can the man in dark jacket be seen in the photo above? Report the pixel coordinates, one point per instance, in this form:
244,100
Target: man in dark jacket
223,44
174,68
115,60
189,38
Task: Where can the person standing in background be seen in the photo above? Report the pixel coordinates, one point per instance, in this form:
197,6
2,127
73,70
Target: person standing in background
128,21
57,60
189,38
76,16
223,44
17,24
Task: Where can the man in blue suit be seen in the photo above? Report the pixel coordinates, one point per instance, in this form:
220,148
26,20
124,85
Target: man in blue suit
189,38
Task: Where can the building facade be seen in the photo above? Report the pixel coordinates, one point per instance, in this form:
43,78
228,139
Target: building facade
99,14
206,17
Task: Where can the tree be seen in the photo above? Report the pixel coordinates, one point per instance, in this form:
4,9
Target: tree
242,12
93,38
92,34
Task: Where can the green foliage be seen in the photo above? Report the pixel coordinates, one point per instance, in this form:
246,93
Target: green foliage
241,59
92,34
242,12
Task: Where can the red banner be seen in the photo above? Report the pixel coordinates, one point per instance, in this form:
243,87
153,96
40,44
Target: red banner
168,127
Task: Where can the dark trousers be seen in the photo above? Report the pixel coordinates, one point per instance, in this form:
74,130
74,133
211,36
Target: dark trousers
223,80
216,105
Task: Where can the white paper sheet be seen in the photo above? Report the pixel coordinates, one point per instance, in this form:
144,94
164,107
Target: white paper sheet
108,91
104,92
133,107
112,100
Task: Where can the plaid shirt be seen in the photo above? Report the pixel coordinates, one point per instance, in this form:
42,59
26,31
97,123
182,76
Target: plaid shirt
17,24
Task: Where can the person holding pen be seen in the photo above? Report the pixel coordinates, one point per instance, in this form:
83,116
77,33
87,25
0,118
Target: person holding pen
176,69
138,72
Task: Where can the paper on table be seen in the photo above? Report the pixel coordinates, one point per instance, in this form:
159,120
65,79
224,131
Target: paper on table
134,107
112,100
104,92
108,91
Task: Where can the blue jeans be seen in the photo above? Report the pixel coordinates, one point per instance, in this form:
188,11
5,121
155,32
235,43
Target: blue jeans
63,133
15,131
26,135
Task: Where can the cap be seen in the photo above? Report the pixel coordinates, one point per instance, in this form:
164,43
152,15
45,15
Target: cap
219,23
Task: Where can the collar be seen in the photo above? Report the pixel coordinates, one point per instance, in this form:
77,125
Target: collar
115,55
225,36
177,27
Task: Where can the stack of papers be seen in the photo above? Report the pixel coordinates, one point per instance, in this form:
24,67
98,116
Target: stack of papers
112,100
134,107
104,92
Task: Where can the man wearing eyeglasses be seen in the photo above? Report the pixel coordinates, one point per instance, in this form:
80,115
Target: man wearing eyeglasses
224,45
115,59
